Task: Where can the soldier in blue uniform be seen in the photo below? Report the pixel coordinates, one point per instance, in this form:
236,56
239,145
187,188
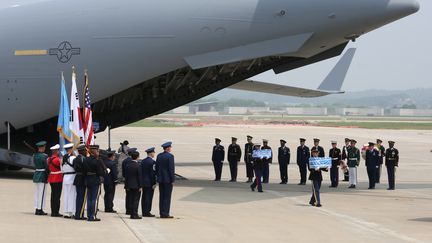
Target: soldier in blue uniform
125,162
336,156
234,155
302,160
110,181
40,177
148,172
372,162
284,155
320,149
248,159
266,162
218,157
165,172
79,182
133,184
316,178
94,171
391,162
381,154
258,165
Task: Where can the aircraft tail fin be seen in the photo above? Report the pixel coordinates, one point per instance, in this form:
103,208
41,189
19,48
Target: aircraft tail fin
334,80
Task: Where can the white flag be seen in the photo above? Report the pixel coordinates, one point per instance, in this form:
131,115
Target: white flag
75,118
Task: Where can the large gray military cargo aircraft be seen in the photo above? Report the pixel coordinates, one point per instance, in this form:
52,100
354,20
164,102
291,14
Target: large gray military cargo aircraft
147,57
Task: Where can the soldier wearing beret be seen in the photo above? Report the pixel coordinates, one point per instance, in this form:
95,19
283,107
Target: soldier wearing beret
248,159
40,177
218,157
79,182
391,162
234,155
335,155
284,156
110,181
381,153
148,172
94,172
372,162
302,160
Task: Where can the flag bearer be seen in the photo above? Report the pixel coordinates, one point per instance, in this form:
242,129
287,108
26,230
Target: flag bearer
94,171
55,180
40,177
79,182
69,190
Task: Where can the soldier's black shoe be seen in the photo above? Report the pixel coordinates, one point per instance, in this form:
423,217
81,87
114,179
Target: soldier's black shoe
260,191
128,213
94,220
167,217
371,188
110,211
56,215
265,182
252,188
42,213
318,205
67,217
311,203
148,215
390,189
136,217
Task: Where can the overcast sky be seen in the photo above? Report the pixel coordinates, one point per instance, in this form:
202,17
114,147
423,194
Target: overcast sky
395,57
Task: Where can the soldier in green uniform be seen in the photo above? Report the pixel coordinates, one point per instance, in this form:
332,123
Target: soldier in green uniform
353,160
40,177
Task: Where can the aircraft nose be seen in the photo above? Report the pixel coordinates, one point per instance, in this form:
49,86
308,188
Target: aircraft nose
402,8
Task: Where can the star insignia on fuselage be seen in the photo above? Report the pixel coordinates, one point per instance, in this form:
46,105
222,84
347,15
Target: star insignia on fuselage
64,52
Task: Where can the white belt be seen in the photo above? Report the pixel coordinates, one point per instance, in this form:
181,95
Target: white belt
352,158
335,158
55,172
40,169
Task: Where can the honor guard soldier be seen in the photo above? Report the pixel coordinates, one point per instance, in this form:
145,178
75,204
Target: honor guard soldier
248,159
258,165
40,177
133,184
148,172
372,163
124,164
302,160
345,157
165,172
234,155
316,177
320,149
336,155
381,153
391,162
69,190
110,181
266,161
353,157
55,180
218,157
79,182
94,171
284,155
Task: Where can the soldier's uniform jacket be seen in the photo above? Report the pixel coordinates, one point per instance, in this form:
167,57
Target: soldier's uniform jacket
165,168
315,175
94,171
234,152
345,152
111,178
78,164
248,152
68,169
353,157
320,149
148,172
41,173
392,157
218,153
284,155
372,158
303,155
124,165
267,160
258,163
336,155
54,165
133,175
381,150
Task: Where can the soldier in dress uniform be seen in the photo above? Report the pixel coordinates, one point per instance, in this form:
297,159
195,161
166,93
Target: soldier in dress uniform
248,159
218,157
110,181
55,180
353,157
372,163
316,177
391,162
148,172
335,154
165,172
302,160
79,182
133,184
234,155
258,165
40,177
345,157
94,172
381,153
284,155
69,190
124,165
320,149
266,162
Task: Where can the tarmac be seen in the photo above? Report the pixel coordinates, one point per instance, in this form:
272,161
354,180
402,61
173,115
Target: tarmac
208,211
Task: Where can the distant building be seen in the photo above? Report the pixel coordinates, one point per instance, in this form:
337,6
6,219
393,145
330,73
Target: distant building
410,112
311,111
246,110
181,110
371,111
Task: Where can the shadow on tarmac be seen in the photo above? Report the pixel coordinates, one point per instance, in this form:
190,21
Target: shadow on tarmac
422,219
23,174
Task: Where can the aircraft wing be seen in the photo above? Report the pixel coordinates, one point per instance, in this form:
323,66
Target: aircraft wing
332,84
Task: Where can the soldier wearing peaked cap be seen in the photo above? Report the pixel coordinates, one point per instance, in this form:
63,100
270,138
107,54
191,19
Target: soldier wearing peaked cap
165,171
336,155
94,172
133,183
284,155
234,155
248,159
40,177
316,177
266,161
345,157
372,162
320,149
218,157
110,181
258,165
381,153
391,162
302,160
148,172
69,190
79,182
55,179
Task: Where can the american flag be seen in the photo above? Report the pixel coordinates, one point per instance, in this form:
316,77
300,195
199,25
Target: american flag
88,121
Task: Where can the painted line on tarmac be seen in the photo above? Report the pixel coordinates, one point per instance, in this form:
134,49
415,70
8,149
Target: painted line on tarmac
357,222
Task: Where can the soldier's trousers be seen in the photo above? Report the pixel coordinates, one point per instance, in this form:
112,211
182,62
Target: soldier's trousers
352,175
165,191
109,197
266,172
218,165
371,170
249,169
56,190
92,194
283,169
303,172
334,176
147,200
40,195
80,201
346,175
391,169
134,199
127,201
316,186
233,169
378,174
69,198
257,181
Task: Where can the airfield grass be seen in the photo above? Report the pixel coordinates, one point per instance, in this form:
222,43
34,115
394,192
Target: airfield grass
380,125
